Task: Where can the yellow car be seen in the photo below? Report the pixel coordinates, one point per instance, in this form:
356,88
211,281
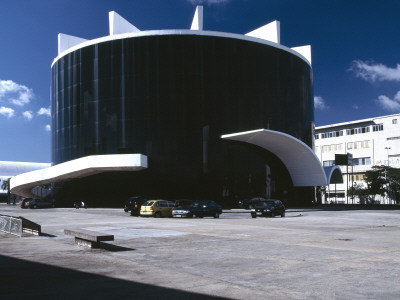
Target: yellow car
157,208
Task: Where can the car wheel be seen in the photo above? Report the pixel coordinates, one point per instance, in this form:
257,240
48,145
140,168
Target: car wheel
283,215
253,216
125,210
157,215
216,216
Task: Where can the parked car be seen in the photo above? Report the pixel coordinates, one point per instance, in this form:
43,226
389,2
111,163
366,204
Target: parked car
268,208
133,204
24,202
198,208
250,203
41,203
157,208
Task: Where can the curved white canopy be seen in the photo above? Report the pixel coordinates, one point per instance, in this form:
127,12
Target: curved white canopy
303,165
333,174
24,183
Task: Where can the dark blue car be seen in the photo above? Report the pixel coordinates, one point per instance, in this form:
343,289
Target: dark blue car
198,208
268,208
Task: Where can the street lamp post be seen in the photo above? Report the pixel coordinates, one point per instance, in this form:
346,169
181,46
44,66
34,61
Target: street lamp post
387,149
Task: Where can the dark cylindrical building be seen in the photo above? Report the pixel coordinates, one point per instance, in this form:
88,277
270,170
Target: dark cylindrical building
170,95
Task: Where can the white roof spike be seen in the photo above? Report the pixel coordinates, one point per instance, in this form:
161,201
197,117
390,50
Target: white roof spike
305,51
66,41
270,32
119,25
197,23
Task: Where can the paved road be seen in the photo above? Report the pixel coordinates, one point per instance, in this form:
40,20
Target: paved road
308,254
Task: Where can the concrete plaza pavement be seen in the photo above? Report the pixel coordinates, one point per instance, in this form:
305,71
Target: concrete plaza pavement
309,254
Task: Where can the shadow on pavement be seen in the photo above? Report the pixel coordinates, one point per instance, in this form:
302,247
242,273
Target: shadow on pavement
22,279
114,248
47,235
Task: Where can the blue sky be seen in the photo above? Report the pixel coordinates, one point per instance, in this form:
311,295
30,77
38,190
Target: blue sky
355,53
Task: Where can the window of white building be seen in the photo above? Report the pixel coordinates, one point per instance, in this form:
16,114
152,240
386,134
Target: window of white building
377,127
357,130
331,134
328,163
358,145
332,148
357,177
361,161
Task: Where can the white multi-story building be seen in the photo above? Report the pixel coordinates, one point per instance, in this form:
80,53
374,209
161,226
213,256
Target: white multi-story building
374,141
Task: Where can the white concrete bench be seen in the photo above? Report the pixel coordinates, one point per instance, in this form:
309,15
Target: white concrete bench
88,238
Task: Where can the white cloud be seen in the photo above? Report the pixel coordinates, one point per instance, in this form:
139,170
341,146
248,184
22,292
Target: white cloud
15,93
355,106
6,111
47,127
208,2
44,111
28,115
319,103
390,104
375,72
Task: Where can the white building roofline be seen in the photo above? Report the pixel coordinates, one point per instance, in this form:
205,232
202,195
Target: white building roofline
354,122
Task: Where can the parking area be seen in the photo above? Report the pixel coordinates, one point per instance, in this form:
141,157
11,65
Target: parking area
307,254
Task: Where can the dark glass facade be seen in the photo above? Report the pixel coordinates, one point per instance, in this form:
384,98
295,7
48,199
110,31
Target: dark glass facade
171,97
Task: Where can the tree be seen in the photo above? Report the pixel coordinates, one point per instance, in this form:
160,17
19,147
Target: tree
393,184
383,180
6,186
358,190
376,180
